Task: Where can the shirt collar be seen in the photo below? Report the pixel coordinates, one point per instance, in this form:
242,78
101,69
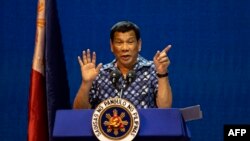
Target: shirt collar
141,62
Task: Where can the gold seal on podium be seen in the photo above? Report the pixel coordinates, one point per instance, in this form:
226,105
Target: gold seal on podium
115,119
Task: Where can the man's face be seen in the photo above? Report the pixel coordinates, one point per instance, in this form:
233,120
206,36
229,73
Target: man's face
125,48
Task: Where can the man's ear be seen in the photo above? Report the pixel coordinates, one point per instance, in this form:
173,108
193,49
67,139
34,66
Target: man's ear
139,45
111,45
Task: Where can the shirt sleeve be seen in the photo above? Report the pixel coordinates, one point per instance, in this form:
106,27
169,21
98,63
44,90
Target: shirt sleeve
154,80
93,95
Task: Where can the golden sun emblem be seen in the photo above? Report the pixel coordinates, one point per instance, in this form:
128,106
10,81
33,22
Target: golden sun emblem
115,122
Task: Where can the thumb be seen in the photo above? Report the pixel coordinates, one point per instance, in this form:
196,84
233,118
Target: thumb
99,66
80,61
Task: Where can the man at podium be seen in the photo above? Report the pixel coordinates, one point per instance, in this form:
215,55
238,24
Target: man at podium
129,76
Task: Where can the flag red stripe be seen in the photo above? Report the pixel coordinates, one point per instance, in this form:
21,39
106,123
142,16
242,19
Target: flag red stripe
37,114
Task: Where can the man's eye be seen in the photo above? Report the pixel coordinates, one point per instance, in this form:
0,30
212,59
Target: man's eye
118,42
131,42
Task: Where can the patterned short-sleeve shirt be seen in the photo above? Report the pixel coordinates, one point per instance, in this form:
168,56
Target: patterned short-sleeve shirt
141,92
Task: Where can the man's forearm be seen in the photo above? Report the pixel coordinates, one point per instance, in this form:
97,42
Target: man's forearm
82,98
164,95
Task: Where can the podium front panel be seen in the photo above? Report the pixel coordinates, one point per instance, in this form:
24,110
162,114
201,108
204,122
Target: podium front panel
160,124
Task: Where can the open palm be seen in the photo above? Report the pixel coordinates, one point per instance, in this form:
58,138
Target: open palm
88,66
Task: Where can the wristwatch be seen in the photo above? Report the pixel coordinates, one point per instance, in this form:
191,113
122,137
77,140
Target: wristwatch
162,75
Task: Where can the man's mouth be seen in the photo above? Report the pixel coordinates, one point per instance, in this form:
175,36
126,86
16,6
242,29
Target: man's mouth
125,57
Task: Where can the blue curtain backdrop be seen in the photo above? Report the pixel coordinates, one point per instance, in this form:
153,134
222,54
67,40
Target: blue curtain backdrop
210,61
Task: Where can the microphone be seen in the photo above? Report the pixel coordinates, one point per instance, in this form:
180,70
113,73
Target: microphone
114,76
130,77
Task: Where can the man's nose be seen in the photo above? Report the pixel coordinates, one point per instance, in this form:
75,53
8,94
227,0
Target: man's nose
125,47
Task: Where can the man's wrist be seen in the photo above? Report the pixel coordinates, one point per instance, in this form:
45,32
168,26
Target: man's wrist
86,83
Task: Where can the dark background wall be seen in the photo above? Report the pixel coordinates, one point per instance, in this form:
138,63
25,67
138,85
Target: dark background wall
210,61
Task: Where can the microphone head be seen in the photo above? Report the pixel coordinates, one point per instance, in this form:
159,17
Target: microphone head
130,76
114,76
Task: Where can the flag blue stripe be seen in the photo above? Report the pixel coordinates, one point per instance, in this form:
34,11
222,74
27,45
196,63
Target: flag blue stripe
57,88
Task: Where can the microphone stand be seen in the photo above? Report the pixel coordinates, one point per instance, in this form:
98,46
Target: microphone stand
128,79
121,89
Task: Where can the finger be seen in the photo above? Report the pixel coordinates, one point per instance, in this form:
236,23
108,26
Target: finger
162,55
88,56
157,55
99,66
84,57
166,63
80,61
165,59
94,58
166,49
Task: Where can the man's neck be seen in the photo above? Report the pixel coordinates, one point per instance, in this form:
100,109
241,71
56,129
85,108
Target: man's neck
124,70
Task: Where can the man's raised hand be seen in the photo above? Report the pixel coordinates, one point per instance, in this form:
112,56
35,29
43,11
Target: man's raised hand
161,60
89,70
